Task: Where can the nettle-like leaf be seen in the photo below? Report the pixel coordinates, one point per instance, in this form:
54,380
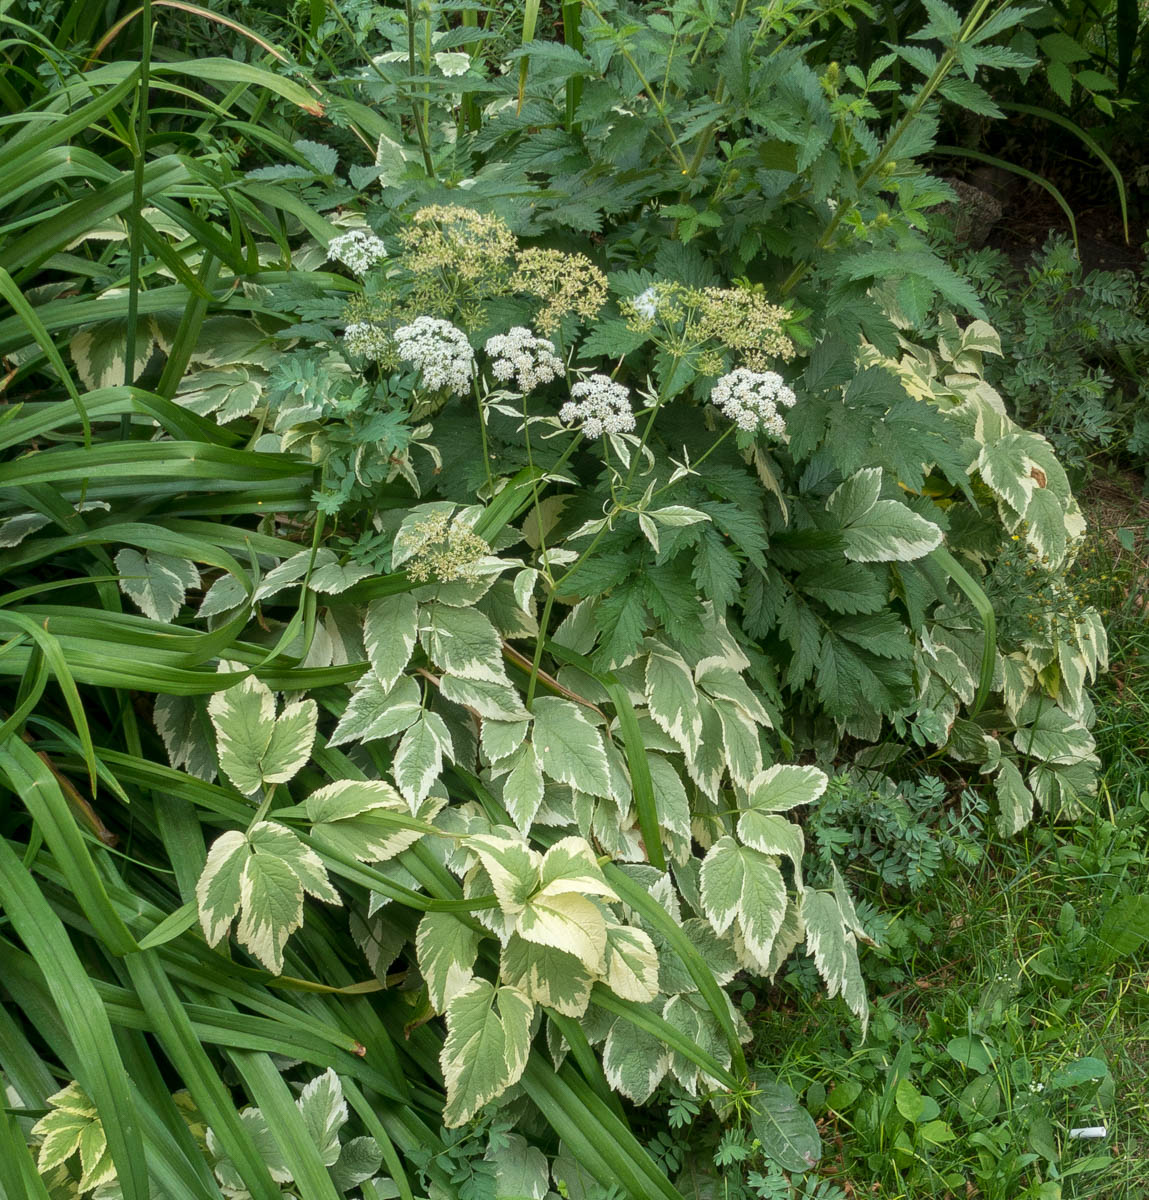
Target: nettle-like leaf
157,584
365,819
879,530
255,747
260,876
73,1126
738,882
486,1049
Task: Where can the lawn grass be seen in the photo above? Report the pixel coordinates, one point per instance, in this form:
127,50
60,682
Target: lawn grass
1030,965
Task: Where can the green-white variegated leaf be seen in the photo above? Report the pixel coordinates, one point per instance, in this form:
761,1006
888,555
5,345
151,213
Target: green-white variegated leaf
846,905
324,1112
156,583
15,529
60,1130
634,1061
722,682
740,738
854,497
631,963
446,948
835,951
363,819
717,952
499,739
419,757
1055,737
737,881
1014,799
1018,680
1045,527
521,1171
785,786
463,642
690,1015
256,1128
523,787
100,352
335,577
254,747
1004,469
488,1041
548,975
390,630
186,732
359,1159
218,892
511,865
570,866
291,571
568,922
225,594
373,712
708,762
569,747
773,834
230,394
496,700
890,532
790,936
670,797
672,697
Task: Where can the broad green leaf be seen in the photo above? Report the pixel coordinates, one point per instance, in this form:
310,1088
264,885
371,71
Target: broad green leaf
418,760
634,1060
737,881
156,583
970,1052
631,963
390,630
375,712
446,947
785,786
673,698
547,974
488,1041
787,1132
523,787
569,747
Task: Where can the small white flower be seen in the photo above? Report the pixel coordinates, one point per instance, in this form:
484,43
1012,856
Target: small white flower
366,340
440,351
751,398
357,250
1037,1088
530,361
602,406
646,304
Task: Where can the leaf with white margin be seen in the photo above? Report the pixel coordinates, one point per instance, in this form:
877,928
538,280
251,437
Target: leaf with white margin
335,577
256,748
740,738
547,974
418,760
290,571
486,1049
672,696
1054,736
446,948
186,735
390,630
773,834
890,532
634,1061
690,1015
708,763
217,892
521,1171
15,529
365,819
854,497
156,583
790,936
498,701
721,682
359,1160
1014,799
524,587
324,1112
1004,469
744,883
224,595
567,922
499,739
569,746
511,865
785,786
463,642
670,799
835,951
373,712
631,963
523,787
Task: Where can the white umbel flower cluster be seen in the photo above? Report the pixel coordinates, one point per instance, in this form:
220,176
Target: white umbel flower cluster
602,406
357,250
528,360
365,339
440,351
751,400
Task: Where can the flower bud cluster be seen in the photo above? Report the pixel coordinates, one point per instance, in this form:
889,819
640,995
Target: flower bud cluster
440,351
751,400
520,356
367,340
357,250
601,405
